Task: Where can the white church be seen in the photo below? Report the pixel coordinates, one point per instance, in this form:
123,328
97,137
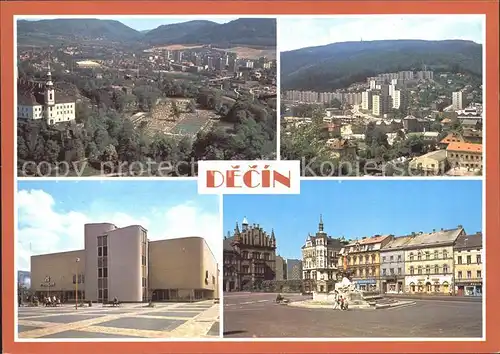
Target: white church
41,101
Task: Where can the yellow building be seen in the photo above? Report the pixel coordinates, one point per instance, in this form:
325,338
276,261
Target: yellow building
429,262
432,163
123,263
361,260
468,254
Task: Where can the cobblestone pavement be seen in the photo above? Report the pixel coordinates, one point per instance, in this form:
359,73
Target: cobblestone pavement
249,315
165,320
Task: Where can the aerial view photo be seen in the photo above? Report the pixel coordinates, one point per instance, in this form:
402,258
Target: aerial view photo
122,96
383,95
412,269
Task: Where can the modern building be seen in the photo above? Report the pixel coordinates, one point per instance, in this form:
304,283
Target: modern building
468,255
319,260
458,100
36,101
360,259
293,269
249,257
123,263
381,104
280,268
392,265
429,261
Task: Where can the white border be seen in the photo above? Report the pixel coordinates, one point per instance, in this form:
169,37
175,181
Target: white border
221,277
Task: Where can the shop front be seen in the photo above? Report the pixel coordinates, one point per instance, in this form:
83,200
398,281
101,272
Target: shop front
428,284
469,288
392,285
366,284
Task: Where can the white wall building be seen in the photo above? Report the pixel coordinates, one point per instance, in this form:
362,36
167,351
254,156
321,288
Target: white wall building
37,101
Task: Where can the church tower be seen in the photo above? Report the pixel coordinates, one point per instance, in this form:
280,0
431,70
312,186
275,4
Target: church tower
49,95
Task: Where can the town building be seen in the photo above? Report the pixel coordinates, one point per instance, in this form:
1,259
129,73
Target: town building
37,101
360,260
458,100
465,155
429,261
433,163
293,269
468,254
319,260
123,263
249,257
392,265
280,268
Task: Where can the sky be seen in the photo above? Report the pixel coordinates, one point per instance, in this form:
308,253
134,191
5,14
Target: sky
141,23
301,32
355,209
52,214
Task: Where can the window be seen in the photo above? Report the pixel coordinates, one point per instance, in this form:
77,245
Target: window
384,272
469,274
436,254
392,271
399,258
412,270
428,269
383,259
478,274
445,254
436,269
399,271
427,255
105,272
99,272
99,251
411,256
445,269
478,259
419,270
392,258
105,251
469,260
459,260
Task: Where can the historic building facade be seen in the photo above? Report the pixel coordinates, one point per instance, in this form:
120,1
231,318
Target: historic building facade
249,257
429,261
319,260
392,265
468,257
361,261
37,101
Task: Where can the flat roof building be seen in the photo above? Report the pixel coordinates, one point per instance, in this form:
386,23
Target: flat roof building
123,263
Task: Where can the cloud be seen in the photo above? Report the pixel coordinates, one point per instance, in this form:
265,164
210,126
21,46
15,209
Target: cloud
299,32
44,229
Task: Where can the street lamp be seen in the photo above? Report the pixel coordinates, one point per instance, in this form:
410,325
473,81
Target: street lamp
76,284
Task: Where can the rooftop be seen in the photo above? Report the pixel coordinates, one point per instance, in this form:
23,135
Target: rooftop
469,241
397,243
435,238
465,147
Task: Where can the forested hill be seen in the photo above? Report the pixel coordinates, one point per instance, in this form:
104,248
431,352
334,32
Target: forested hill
256,32
338,65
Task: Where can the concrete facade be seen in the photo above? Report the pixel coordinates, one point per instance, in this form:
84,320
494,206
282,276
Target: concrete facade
392,265
123,263
469,258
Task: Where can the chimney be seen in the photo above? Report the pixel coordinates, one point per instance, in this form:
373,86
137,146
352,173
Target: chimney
460,226
442,229
433,230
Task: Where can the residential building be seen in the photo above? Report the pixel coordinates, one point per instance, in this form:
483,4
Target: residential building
452,137
341,148
319,260
469,258
360,259
366,100
123,263
293,269
399,100
429,261
465,155
249,257
380,104
458,100
280,268
36,101
433,163
392,265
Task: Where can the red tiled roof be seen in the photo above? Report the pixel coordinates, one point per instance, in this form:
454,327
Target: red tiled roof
465,147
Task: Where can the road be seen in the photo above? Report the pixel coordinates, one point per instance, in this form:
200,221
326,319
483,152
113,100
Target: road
165,320
257,315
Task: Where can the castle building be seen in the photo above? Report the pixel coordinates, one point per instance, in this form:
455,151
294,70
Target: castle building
319,260
249,257
36,101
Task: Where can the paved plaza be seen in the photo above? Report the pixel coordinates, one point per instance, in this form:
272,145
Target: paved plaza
165,320
257,315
